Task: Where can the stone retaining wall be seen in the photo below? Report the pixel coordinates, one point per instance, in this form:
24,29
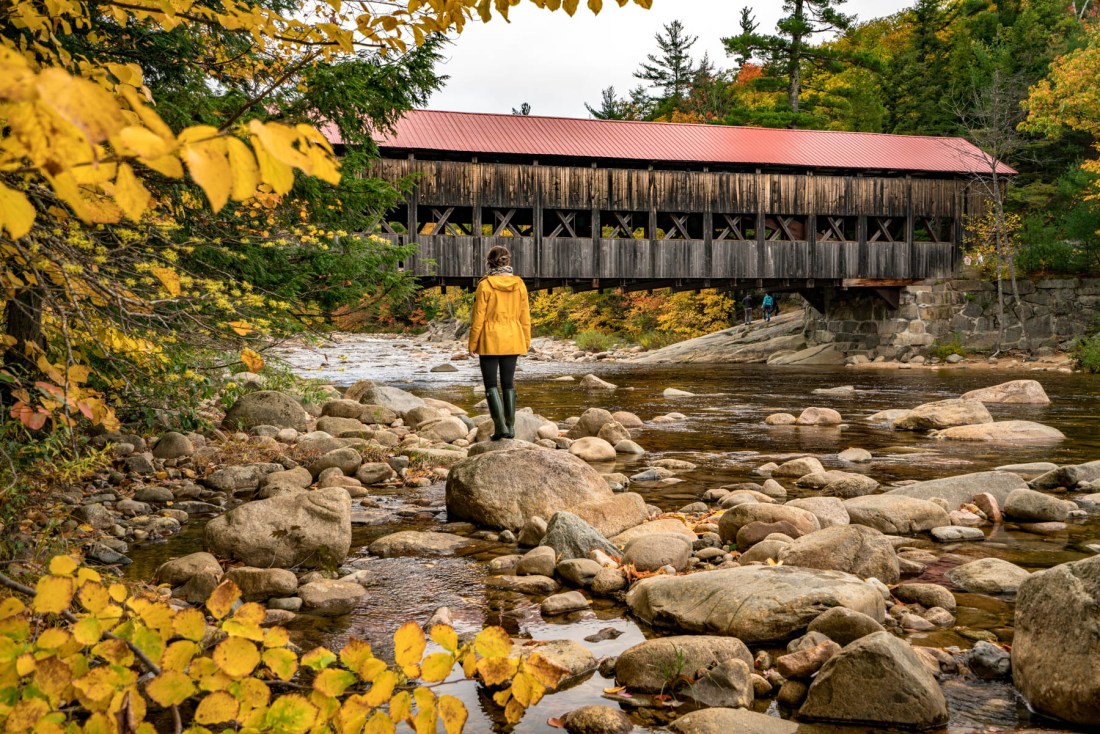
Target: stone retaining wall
1055,312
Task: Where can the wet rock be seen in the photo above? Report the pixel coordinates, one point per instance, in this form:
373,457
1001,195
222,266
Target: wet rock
843,625
286,603
895,514
749,535
241,478
651,552
829,511
613,432
988,661
1057,641
943,414
959,489
374,472
752,603
1068,476
780,419
608,581
1027,392
572,537
539,561
180,570
666,525
258,584
1032,506
762,552
854,485
629,447
591,382
927,595
804,663
266,407
590,423
330,597
597,720
592,449
418,543
886,417
347,460
308,529
564,603
798,467
989,506
652,666
578,571
736,517
861,551
854,455
627,419
877,680
956,534
727,720
727,684
988,576
504,489
819,417
1003,432
173,445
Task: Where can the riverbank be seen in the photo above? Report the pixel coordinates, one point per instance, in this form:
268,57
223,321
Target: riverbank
412,547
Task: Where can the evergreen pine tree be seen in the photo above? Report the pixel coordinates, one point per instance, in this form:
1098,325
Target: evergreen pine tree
914,102
673,69
611,107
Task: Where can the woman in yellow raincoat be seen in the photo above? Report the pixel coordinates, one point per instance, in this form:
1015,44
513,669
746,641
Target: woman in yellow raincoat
499,333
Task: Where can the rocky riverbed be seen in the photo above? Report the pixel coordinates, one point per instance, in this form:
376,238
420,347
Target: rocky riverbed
698,548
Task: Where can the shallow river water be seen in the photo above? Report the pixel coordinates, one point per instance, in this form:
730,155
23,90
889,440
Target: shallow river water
725,436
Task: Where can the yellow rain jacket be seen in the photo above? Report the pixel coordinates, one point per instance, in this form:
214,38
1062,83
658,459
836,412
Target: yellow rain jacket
502,317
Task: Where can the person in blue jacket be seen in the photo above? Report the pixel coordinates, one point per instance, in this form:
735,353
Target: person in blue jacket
768,306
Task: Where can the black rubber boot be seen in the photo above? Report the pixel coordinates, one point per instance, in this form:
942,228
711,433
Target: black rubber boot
496,410
510,413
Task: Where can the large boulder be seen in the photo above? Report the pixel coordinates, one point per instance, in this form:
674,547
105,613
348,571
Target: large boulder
853,485
943,414
1057,641
571,537
260,584
445,429
752,603
896,514
648,666
504,489
854,549
726,720
181,570
1067,476
648,553
615,514
593,449
799,467
1031,506
336,426
736,517
1015,391
878,681
395,399
1003,432
664,525
330,597
310,529
819,417
590,423
266,408
960,489
988,576
527,427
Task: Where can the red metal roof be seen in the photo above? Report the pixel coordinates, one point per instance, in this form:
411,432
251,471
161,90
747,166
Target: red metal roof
469,132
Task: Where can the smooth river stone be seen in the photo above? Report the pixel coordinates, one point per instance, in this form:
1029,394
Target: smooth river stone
752,603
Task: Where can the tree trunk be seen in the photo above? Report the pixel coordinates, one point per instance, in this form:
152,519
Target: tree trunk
794,80
23,322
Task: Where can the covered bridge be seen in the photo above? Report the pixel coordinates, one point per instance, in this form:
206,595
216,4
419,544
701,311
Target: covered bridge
641,205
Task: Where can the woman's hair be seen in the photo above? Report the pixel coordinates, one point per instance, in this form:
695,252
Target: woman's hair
499,257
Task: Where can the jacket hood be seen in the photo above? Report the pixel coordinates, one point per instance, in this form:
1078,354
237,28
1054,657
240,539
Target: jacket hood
504,283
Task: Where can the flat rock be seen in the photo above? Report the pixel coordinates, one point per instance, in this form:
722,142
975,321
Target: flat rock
564,603
729,720
843,625
1003,432
1031,506
829,511
1027,392
736,517
649,553
960,489
895,514
330,597
595,719
645,666
665,525
531,585
799,467
854,549
943,414
417,543
752,603
988,576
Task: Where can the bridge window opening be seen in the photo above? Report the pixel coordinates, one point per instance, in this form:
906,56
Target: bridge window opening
393,222
933,229
784,228
886,229
570,223
447,221
679,226
624,225
837,229
734,227
507,222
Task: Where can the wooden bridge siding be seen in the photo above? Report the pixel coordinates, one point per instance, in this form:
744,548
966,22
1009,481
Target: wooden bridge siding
446,183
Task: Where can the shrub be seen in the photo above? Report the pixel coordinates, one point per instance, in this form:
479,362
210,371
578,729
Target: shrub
595,341
83,654
1086,353
943,349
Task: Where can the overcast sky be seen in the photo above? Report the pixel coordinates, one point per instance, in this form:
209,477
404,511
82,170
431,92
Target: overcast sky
558,63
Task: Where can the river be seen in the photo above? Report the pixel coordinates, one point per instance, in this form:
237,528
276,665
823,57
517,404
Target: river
725,436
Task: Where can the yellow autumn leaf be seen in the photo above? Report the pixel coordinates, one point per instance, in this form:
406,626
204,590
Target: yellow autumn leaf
131,196
281,142
453,713
241,328
63,565
206,161
16,213
437,667
408,644
273,172
381,690
222,599
170,688
527,690
445,636
493,642
87,631
53,594
216,708
246,172
595,6
189,624
168,278
333,682
282,662
495,671
178,655
514,711
400,706
82,103
546,671
143,142
291,714
252,360
10,607
318,658
236,656
276,637
379,723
